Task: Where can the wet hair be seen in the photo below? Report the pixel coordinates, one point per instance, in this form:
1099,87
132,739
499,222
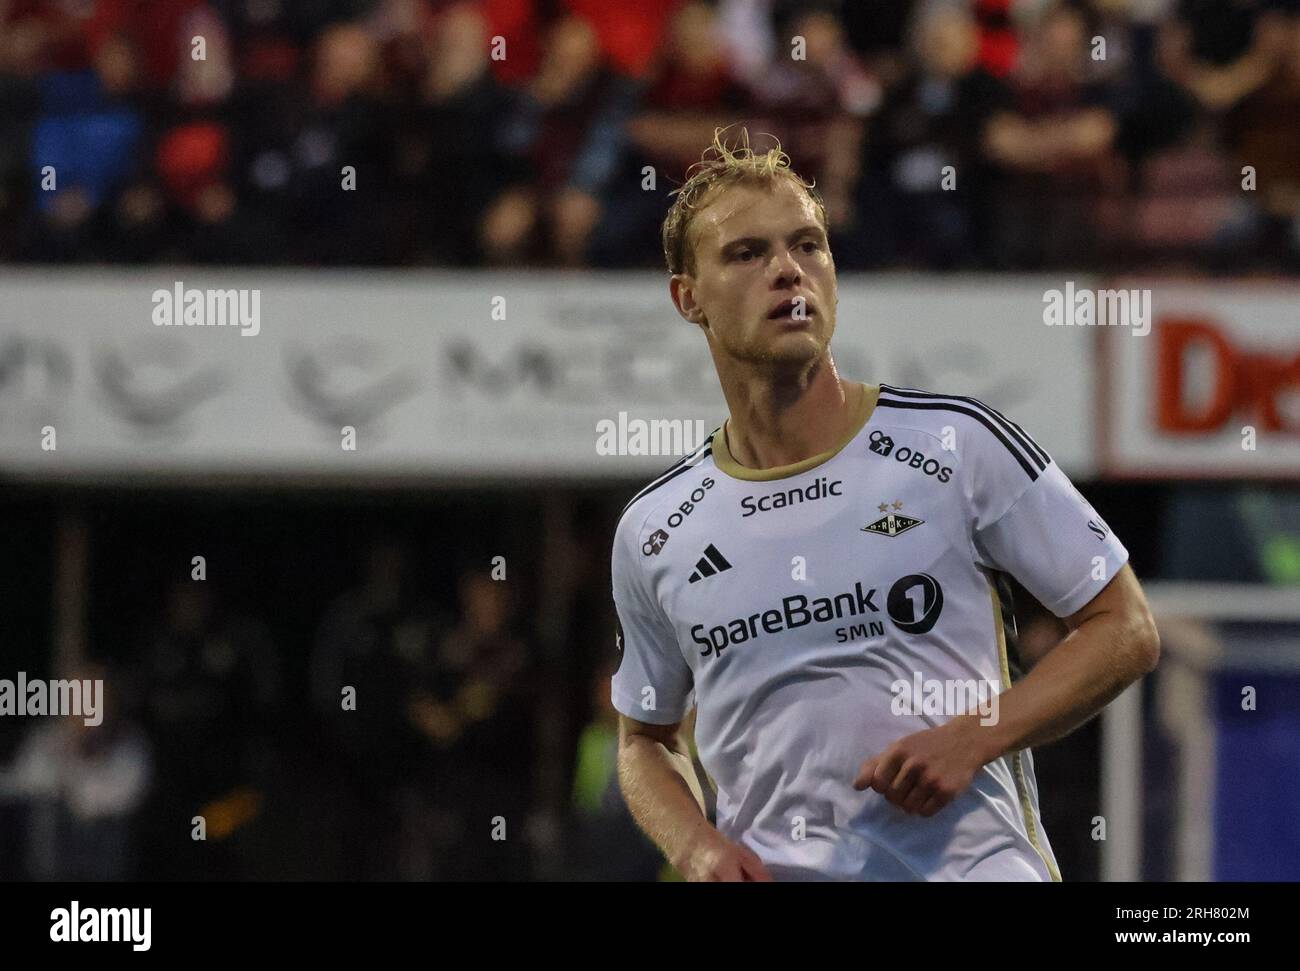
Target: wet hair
721,166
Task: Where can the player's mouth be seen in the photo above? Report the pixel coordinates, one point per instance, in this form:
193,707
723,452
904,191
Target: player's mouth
793,311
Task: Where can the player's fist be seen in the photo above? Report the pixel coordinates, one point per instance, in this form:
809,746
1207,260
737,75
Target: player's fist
923,772
712,858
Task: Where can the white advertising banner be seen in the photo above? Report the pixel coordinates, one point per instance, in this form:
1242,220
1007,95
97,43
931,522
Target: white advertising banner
1212,391
186,373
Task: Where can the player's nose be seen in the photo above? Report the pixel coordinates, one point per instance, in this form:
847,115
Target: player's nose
784,268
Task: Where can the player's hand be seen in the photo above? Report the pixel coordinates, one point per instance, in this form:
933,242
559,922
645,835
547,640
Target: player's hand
713,858
923,772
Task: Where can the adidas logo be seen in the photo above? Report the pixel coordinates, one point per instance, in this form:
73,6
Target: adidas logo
710,563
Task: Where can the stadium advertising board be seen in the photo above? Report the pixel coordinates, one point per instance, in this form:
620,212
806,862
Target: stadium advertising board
1213,391
182,372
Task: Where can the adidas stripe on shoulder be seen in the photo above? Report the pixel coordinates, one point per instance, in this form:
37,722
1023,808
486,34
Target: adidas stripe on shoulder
685,464
1028,454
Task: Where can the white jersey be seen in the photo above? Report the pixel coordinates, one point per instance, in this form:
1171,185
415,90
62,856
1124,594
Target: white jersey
816,613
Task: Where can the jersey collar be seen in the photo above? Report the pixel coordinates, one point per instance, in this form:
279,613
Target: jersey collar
725,463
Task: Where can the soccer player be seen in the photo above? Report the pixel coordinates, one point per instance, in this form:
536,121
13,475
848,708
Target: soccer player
823,582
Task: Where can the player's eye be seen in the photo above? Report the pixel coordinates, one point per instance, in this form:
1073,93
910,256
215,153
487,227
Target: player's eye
810,243
744,255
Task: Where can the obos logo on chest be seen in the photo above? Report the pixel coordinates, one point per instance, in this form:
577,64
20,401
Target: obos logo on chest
882,444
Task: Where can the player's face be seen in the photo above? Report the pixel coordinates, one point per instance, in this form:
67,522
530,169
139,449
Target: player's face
759,248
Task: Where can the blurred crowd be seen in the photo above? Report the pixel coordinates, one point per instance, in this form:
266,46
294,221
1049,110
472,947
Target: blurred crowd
943,134
421,737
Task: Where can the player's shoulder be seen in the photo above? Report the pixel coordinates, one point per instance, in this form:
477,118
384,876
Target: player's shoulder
964,424
658,491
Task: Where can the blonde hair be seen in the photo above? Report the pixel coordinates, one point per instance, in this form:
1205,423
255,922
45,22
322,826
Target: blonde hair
722,165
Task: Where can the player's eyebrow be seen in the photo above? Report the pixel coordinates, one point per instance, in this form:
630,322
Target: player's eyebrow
811,229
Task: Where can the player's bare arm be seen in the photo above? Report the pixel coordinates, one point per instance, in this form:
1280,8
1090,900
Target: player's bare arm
1112,643
664,796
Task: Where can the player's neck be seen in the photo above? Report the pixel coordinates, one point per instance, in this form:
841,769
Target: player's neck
782,419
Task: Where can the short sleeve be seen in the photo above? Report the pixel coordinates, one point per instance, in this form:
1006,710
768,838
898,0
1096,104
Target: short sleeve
1054,543
653,682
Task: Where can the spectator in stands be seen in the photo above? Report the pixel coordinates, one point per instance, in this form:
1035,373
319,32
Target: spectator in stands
567,131
1249,77
21,45
937,116
382,132
316,158
999,42
691,90
448,162
158,34
820,99
88,139
1055,147
1221,52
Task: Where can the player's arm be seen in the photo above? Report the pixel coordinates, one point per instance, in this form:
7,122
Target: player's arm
662,791
652,692
1112,643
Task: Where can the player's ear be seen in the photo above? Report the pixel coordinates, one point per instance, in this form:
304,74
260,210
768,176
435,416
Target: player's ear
682,289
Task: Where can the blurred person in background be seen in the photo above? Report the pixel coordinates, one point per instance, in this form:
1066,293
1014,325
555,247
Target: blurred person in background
211,694
692,88
1222,51
1000,40
1263,131
1241,64
567,130
448,164
280,188
1154,113
607,843
375,646
81,788
1055,147
20,102
197,158
86,141
342,121
938,115
821,100
475,710
801,79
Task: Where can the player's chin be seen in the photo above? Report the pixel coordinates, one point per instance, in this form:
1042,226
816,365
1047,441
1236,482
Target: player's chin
795,347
